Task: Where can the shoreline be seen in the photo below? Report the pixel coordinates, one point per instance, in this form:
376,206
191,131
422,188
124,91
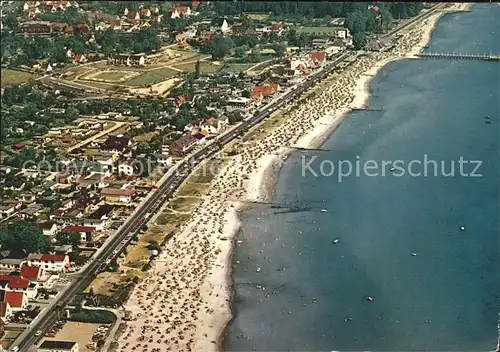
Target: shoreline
191,289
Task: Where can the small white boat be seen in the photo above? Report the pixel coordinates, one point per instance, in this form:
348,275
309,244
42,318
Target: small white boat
414,254
258,270
335,241
370,299
462,228
323,210
393,168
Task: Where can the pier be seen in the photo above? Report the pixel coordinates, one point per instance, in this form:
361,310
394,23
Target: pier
459,56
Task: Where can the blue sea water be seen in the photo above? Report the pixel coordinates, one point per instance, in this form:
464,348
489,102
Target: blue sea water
446,298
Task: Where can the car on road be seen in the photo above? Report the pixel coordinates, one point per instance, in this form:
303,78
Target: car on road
38,333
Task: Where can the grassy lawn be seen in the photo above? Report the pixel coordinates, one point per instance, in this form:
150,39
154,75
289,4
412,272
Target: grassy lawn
112,75
13,77
205,67
309,30
152,77
236,67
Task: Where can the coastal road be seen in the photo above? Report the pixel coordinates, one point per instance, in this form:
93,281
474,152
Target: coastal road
166,187
176,175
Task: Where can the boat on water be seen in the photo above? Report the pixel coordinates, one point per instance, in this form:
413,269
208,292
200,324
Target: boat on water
335,241
323,210
414,254
393,168
258,270
369,299
462,227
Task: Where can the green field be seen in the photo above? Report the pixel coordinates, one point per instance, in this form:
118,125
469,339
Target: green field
152,77
205,67
237,67
112,76
321,30
12,77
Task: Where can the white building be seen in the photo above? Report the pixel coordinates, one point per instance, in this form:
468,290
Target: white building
49,262
164,160
238,104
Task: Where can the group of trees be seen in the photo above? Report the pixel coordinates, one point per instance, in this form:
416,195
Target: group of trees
23,237
361,18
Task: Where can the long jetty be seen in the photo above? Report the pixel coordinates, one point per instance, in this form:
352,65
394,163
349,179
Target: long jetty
459,56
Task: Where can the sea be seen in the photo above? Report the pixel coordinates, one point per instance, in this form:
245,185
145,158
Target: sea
394,262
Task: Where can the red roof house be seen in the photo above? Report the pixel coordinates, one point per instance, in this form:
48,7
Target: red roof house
30,272
318,57
16,299
53,257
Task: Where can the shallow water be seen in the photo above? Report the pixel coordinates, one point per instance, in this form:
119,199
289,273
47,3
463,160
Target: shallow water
445,298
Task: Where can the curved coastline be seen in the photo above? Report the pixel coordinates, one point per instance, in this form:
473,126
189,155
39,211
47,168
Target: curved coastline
249,176
261,186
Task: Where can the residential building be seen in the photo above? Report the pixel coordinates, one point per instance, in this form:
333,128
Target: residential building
5,311
31,273
86,232
6,211
16,300
11,264
211,125
127,59
126,167
116,143
238,104
41,28
178,10
118,195
49,262
48,227
164,160
318,58
181,146
58,346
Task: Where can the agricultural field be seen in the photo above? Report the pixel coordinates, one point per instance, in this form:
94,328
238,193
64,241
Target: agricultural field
13,77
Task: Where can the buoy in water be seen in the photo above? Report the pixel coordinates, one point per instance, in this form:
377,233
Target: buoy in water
462,227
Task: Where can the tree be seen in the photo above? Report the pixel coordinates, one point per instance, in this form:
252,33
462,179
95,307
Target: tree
359,40
255,53
23,237
240,51
197,70
246,94
11,21
65,238
280,49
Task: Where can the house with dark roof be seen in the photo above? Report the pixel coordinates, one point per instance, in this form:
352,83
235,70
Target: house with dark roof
183,145
86,232
48,227
116,143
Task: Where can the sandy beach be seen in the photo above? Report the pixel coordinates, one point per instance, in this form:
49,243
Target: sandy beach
185,303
